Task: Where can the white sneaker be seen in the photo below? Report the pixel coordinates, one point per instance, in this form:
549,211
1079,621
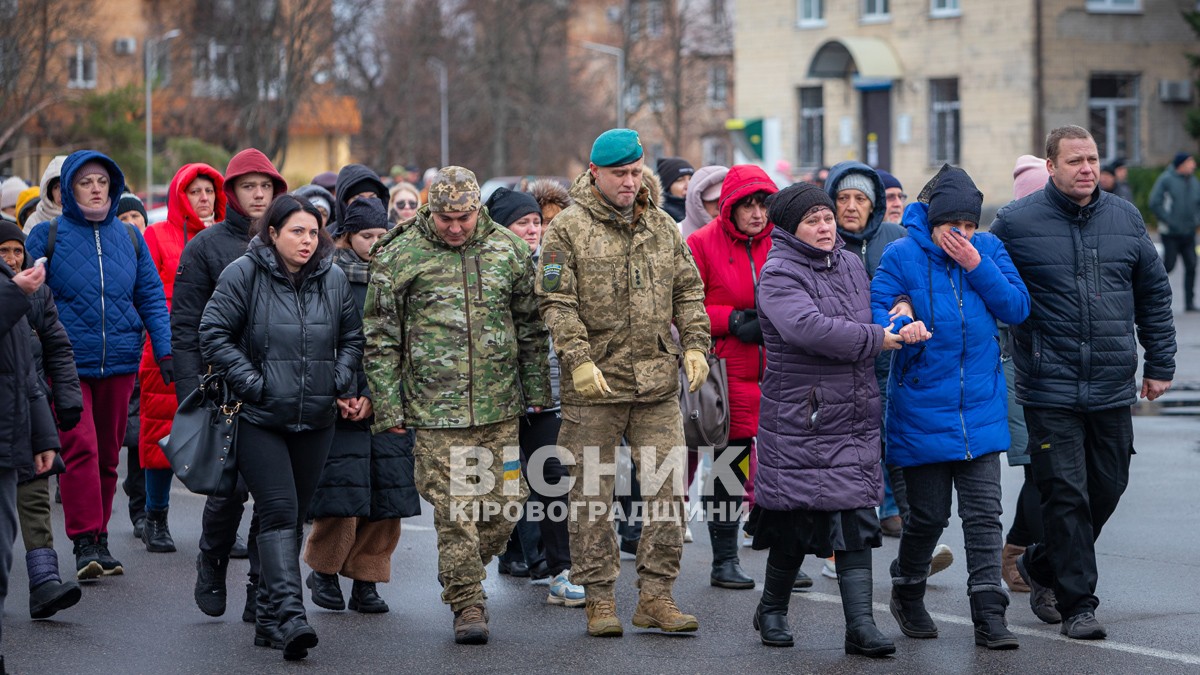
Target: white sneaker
829,569
747,540
943,557
687,533
565,593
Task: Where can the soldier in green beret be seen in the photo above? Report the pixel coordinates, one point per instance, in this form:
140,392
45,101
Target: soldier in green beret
615,274
455,349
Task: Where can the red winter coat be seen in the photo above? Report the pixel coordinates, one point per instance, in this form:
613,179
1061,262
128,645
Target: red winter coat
729,263
164,243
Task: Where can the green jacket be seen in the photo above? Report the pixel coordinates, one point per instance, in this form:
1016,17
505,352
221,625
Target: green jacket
453,334
609,293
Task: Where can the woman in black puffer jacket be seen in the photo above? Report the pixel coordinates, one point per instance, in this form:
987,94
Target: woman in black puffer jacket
283,329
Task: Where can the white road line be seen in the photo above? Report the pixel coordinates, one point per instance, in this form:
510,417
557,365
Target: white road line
1190,659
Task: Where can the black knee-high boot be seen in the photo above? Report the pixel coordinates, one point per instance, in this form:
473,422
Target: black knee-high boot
726,567
279,558
770,619
862,636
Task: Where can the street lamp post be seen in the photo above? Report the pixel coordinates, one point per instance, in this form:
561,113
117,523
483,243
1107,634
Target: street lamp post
149,48
620,54
444,93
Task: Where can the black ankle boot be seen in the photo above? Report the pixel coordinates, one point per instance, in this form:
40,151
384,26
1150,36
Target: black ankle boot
862,636
365,598
726,568
991,629
279,557
326,591
155,533
908,606
770,619
250,609
210,591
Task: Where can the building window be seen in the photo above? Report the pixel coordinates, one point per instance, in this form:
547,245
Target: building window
633,96
81,66
654,18
214,71
1113,105
633,22
943,121
714,149
810,13
8,8
1114,6
718,87
654,91
812,127
944,8
875,11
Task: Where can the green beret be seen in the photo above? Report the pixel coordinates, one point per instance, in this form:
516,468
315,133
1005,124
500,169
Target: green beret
616,147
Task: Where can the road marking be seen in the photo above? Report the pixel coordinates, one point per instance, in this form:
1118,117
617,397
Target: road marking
1190,659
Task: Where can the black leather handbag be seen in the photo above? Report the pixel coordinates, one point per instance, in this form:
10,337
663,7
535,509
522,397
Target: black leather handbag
202,445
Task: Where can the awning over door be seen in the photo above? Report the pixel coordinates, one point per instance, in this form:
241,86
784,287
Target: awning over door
868,58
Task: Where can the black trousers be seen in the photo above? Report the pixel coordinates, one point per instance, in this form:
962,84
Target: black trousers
1027,519
1081,467
282,469
1183,246
540,430
722,500
219,525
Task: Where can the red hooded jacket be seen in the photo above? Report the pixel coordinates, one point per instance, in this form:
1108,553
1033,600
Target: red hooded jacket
164,243
729,263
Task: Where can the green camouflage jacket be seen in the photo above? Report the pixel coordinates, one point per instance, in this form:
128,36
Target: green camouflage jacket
609,294
453,334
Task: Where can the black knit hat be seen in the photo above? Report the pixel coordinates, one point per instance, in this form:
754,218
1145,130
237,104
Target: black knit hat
952,196
507,206
364,214
9,231
130,202
790,205
671,169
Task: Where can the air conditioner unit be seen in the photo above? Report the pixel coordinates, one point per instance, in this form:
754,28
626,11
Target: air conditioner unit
1174,91
125,46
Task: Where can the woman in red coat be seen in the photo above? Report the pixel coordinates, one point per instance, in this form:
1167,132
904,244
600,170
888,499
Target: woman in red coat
196,198
730,252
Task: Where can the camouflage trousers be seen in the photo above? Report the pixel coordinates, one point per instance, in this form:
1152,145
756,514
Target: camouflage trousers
468,513
595,558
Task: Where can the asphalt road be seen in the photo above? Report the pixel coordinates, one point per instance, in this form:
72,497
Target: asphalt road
1149,558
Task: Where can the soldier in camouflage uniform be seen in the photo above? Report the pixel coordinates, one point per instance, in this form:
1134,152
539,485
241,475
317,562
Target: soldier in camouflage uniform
455,348
614,275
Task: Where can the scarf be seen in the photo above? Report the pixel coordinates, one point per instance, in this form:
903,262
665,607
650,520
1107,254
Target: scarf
357,270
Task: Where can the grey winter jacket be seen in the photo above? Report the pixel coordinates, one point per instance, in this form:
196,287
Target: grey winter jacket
1175,200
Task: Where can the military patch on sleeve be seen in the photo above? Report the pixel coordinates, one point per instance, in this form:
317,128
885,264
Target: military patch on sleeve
551,272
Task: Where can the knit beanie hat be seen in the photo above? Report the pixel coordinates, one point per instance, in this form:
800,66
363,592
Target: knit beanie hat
1029,175
790,205
364,214
10,191
326,179
130,202
616,147
671,169
889,181
507,206
10,231
1180,158
92,167
858,181
317,196
952,196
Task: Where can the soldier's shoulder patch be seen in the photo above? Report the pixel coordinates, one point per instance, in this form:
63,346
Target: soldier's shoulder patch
551,270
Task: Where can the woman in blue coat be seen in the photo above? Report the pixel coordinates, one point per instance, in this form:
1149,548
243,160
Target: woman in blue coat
947,415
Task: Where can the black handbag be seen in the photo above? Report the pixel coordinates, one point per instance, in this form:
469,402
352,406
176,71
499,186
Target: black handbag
202,445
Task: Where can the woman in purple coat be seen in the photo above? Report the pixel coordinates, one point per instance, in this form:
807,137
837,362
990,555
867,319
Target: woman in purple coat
819,475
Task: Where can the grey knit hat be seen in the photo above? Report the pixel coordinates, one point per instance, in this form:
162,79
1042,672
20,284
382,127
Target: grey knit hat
858,181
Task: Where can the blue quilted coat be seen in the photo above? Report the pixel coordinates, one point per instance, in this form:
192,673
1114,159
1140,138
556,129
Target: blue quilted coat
947,398
107,290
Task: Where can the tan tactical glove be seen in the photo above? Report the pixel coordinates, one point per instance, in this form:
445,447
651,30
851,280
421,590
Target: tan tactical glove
695,364
589,381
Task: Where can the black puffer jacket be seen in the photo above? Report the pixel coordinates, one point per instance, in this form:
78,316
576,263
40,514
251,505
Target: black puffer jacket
365,475
1093,276
26,425
204,258
52,352
287,352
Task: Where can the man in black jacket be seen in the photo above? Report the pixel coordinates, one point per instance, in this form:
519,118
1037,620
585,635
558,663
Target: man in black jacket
251,184
1093,276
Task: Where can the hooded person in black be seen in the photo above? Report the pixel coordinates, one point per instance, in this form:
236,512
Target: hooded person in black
355,181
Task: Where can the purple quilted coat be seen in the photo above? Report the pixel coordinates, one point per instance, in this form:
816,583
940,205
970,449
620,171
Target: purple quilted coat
818,434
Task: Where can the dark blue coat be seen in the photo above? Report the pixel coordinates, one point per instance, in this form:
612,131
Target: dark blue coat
105,289
947,398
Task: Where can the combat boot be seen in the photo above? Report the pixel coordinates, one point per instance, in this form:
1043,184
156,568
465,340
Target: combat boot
661,612
470,625
602,618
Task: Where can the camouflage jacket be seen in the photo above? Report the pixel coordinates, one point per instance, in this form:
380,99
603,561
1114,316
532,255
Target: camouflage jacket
453,334
609,293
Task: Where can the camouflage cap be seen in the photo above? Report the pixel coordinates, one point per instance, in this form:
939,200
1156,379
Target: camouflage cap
454,189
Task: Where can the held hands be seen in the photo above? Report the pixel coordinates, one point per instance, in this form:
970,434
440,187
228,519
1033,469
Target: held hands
891,340
31,279
960,249
1152,389
695,364
357,409
589,381
915,332
901,308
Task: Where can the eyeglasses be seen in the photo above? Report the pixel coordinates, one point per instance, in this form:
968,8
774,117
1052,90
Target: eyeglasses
901,196
405,204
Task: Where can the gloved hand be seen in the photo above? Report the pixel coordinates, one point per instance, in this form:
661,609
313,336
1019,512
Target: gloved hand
589,381
695,364
68,418
166,368
747,329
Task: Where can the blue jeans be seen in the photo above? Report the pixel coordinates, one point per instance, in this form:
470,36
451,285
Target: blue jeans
158,488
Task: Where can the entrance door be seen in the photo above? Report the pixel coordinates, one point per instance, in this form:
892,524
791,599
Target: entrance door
877,128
